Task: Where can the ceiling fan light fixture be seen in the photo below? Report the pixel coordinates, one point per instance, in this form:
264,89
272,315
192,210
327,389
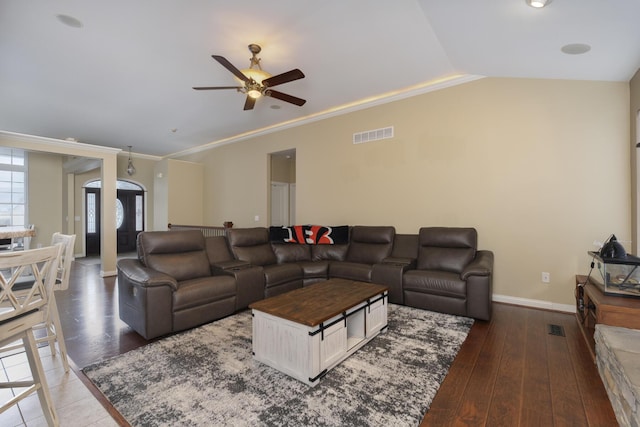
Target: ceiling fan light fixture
255,82
254,93
255,74
538,4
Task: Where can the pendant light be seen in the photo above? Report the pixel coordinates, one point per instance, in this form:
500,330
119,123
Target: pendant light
130,168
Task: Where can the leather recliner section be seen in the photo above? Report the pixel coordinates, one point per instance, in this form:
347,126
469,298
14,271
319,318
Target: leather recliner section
181,279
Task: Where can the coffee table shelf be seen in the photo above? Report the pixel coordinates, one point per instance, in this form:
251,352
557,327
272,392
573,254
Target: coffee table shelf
307,349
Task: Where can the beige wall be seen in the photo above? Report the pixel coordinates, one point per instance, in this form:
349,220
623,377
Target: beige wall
179,193
540,167
46,204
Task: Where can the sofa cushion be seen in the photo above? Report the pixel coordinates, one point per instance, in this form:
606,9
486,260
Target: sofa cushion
370,245
218,249
277,274
405,246
291,252
446,249
180,254
435,282
197,292
314,269
251,245
329,252
350,270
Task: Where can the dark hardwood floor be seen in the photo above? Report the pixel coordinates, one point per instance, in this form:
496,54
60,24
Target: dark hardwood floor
509,372
512,372
88,310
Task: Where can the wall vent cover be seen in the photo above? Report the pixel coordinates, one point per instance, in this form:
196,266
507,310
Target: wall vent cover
373,135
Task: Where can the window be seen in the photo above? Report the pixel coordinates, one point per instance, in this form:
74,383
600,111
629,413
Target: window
120,185
13,188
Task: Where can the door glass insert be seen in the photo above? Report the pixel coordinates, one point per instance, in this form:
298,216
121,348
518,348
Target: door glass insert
139,213
91,212
119,213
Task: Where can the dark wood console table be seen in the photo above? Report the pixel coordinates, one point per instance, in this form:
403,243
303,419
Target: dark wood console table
599,308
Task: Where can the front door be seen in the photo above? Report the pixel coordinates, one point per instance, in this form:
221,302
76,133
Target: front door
129,217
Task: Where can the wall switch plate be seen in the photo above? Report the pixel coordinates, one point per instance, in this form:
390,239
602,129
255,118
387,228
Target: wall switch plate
546,277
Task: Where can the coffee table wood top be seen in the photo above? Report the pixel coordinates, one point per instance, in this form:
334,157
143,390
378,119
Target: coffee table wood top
319,302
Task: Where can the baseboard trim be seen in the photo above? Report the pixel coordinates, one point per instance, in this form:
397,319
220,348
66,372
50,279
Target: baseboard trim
108,273
534,303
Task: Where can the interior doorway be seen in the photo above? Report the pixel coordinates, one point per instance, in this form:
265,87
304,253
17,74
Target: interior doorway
129,216
282,195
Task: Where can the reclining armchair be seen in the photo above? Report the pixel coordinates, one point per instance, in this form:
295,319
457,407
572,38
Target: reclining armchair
170,287
368,246
451,275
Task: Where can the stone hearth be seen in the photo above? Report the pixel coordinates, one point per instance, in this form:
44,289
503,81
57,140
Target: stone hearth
617,356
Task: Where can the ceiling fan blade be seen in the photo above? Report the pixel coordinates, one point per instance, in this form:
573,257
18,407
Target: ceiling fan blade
289,76
216,87
249,103
284,97
229,66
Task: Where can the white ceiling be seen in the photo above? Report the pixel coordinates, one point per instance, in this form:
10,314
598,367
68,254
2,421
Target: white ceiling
125,76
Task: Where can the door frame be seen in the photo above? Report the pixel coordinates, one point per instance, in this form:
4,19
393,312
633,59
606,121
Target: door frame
83,212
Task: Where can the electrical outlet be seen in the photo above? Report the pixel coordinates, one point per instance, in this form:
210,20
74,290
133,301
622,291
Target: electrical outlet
546,277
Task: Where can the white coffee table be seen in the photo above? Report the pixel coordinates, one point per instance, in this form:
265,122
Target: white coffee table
306,332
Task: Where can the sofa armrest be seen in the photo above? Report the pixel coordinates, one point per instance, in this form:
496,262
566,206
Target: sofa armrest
137,274
482,265
225,267
407,263
389,273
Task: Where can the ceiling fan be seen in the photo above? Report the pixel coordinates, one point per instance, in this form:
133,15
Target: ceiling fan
257,82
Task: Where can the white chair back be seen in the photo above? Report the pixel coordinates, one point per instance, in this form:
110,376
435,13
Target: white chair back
26,291
26,280
64,268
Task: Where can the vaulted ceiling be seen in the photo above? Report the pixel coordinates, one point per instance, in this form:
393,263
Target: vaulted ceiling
121,72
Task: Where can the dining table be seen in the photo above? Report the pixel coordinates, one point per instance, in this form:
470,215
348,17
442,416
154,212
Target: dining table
15,231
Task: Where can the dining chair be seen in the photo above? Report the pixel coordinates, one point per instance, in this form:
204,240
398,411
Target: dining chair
20,310
52,325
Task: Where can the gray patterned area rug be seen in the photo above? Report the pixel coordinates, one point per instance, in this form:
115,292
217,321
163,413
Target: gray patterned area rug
207,377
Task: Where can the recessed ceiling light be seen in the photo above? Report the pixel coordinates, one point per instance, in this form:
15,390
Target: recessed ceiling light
275,107
538,3
575,48
69,21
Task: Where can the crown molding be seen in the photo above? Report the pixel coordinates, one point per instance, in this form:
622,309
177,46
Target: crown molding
42,143
386,98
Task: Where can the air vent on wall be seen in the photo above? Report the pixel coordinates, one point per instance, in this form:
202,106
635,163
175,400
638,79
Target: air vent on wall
373,135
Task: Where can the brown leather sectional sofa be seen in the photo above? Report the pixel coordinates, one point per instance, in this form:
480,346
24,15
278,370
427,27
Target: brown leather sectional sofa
182,279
